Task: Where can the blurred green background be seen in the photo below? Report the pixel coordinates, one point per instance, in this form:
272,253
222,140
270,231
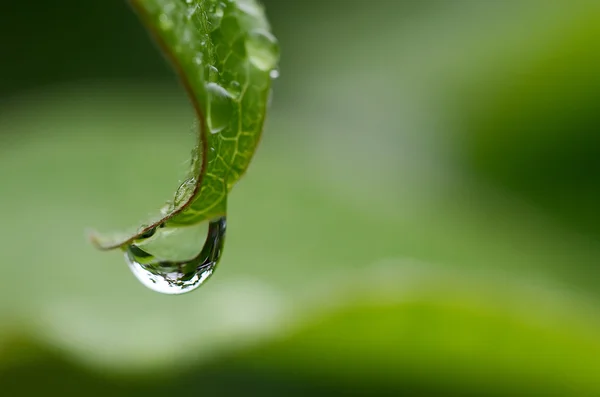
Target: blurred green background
421,217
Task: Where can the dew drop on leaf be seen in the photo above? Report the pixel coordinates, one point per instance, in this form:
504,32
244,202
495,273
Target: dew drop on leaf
222,51
215,15
178,276
212,73
235,89
263,50
184,192
165,22
220,103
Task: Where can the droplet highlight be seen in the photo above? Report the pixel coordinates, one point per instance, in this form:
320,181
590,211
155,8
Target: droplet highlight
178,277
165,22
235,89
215,15
262,49
220,105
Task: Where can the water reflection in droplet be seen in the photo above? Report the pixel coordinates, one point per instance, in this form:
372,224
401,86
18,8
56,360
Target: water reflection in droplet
165,22
234,88
220,107
215,14
178,277
263,49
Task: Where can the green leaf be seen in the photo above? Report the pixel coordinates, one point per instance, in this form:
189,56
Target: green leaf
298,291
226,57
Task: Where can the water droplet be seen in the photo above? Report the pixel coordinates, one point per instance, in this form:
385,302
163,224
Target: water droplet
274,74
191,11
212,73
263,50
215,14
235,89
198,59
220,104
165,22
178,277
187,36
184,191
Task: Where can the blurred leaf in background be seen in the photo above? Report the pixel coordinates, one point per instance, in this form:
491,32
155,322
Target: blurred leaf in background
420,218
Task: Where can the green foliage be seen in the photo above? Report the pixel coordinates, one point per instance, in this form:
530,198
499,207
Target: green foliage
378,246
226,56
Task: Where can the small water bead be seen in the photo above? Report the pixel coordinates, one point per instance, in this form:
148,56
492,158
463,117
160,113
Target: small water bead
235,88
196,157
165,22
274,74
187,36
263,49
220,104
178,277
184,191
215,14
198,59
212,73
191,11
